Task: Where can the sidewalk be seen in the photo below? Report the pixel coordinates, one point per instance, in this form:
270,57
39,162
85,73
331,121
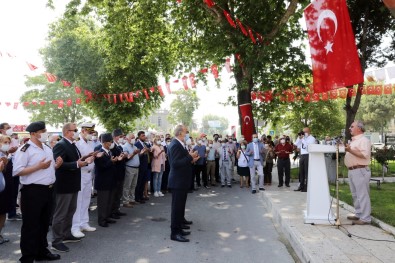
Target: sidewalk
325,243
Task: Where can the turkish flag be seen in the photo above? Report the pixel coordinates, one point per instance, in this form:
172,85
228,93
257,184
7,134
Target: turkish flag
227,65
168,87
388,89
247,126
66,83
50,77
184,82
192,80
334,56
333,94
214,70
378,90
31,66
391,5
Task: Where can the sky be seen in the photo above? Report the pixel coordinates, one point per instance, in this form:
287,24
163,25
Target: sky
23,31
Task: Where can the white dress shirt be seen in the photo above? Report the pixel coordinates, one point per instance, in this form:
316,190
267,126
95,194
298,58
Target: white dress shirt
32,156
256,151
303,143
85,148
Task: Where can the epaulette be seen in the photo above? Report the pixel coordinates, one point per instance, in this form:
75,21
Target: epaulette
25,147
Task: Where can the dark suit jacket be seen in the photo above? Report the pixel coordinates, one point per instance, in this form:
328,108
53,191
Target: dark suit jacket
180,175
143,157
105,173
68,175
119,165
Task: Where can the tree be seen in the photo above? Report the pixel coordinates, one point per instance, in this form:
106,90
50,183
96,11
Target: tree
194,35
377,111
323,117
49,112
183,107
371,23
114,53
210,129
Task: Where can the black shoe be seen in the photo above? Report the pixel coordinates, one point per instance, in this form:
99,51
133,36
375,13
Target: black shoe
299,189
280,185
110,221
185,233
207,187
229,186
119,213
71,239
253,191
185,227
115,216
60,247
105,224
222,186
48,257
186,222
145,198
262,189
287,185
179,238
304,190
141,201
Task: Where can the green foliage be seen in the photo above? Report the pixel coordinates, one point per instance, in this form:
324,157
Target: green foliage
377,111
183,107
49,112
211,130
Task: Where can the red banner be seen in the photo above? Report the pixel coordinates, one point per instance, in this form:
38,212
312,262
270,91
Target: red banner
247,125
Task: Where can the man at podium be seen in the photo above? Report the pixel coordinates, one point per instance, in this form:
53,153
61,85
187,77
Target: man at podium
357,160
303,141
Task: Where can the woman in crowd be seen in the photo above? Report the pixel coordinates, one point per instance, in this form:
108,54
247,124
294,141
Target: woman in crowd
158,165
242,165
267,180
6,194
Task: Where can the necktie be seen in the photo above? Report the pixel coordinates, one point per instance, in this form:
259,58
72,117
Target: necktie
225,154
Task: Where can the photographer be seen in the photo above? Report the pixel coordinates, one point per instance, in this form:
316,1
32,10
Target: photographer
303,141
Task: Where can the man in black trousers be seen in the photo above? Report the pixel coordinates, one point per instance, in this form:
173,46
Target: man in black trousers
35,165
180,161
68,183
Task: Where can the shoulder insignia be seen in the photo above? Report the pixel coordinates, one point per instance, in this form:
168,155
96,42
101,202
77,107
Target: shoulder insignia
25,147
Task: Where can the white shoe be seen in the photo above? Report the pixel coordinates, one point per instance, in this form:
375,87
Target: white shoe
156,194
77,233
88,228
160,193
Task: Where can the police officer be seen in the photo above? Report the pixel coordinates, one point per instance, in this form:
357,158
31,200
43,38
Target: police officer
35,165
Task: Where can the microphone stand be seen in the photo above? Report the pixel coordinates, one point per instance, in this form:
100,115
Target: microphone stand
338,224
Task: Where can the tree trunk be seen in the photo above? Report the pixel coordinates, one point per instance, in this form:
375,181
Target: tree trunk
244,93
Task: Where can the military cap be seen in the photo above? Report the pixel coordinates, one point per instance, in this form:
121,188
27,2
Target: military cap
35,126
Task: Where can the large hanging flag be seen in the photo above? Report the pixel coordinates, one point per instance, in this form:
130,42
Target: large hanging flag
332,45
247,125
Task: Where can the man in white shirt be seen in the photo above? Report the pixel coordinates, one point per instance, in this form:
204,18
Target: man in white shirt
302,143
81,215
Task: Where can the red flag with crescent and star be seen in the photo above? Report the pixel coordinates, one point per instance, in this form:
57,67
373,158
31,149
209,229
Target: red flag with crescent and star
247,125
334,55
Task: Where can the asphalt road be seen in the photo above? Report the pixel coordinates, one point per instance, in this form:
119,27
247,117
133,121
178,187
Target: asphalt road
229,225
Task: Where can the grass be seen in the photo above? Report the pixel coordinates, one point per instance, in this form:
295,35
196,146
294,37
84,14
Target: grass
382,200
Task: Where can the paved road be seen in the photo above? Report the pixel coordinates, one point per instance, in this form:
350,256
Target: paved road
230,225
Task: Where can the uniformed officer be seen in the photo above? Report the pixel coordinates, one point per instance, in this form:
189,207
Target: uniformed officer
81,215
35,165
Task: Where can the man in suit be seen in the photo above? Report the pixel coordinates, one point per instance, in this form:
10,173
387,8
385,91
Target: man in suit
257,154
117,151
225,164
180,176
68,183
143,168
105,181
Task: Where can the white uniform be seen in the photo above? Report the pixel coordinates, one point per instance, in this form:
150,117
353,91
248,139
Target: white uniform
81,215
32,156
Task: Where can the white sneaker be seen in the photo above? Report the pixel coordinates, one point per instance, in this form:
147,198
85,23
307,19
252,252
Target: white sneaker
156,194
160,193
88,228
77,233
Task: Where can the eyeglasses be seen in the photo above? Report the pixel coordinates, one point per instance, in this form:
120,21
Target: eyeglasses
75,130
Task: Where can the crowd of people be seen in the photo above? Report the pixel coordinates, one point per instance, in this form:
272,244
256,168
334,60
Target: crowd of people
57,176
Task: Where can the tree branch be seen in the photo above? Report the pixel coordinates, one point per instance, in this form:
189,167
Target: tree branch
290,11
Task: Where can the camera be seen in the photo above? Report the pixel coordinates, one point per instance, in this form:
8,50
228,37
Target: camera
301,133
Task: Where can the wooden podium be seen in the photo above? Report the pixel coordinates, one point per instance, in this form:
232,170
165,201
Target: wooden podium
318,198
